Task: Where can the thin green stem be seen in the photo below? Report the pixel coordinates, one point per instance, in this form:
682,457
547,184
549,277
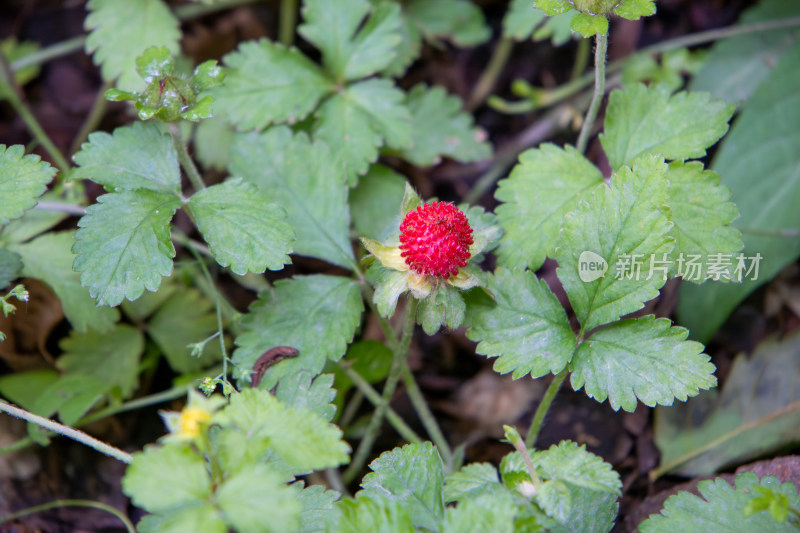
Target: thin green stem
399,354
185,159
71,503
288,21
601,50
349,413
426,416
15,98
67,431
93,118
487,81
543,407
403,429
72,209
581,59
53,51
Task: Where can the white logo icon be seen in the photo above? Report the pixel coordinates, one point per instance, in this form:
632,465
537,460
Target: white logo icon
591,266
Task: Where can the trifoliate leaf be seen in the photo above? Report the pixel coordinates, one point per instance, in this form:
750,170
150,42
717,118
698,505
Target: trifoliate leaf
257,500
525,327
721,508
521,19
351,46
761,143
469,482
203,517
547,184
300,391
613,249
647,120
360,119
49,258
635,9
317,508
644,358
414,475
164,478
440,128
10,267
589,25
185,317
317,315
299,437
123,245
121,31
299,176
111,357
701,211
268,83
483,513
370,513
375,202
140,156
22,179
243,229
460,21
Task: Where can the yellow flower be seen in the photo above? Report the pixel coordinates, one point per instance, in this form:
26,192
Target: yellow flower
193,419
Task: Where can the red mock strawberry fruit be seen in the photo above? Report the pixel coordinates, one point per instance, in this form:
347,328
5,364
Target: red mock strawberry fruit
435,240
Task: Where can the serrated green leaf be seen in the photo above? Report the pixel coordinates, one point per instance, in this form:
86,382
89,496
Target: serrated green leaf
389,285
373,514
548,183
444,307
123,245
525,327
317,508
736,66
186,317
206,75
257,500
754,414
71,396
22,179
700,209
721,508
618,225
357,121
302,390
197,517
121,31
758,163
375,202
10,267
25,388
635,9
647,120
592,512
521,19
243,229
460,21
165,478
212,143
481,514
469,482
555,500
553,7
299,176
351,46
268,83
570,462
111,357
139,156
644,358
49,258
414,475
299,437
589,25
440,128
317,315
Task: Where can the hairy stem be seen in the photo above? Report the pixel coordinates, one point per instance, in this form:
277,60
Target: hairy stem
426,416
67,431
14,97
543,407
185,159
399,355
485,84
288,21
601,50
71,503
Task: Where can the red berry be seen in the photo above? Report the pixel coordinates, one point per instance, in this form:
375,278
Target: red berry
435,240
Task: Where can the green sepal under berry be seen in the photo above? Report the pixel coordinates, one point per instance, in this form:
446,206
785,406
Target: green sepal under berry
167,96
444,307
